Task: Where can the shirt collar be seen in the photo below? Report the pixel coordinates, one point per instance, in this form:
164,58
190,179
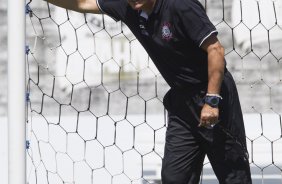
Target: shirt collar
144,15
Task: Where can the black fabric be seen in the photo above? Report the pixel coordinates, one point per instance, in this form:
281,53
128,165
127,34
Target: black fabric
114,8
175,30
187,144
193,21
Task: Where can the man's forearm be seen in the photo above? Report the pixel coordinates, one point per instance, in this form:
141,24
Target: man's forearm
215,69
209,114
216,63
82,6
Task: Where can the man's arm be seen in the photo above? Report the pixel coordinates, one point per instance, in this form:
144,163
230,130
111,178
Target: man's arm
82,6
216,65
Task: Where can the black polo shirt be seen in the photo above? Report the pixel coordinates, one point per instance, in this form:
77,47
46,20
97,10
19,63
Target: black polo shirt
172,36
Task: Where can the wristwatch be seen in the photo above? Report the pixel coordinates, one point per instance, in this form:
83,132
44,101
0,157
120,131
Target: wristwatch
212,100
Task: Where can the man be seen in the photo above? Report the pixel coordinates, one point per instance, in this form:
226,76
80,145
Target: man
204,111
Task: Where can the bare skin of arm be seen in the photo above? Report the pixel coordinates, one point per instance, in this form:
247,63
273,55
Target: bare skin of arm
212,46
82,6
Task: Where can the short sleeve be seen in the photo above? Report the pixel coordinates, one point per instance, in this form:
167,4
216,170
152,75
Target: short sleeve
194,20
114,8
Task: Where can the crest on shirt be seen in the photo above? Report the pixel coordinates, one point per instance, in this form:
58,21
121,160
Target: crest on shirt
166,31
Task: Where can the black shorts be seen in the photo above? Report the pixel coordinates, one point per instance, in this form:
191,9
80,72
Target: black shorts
187,144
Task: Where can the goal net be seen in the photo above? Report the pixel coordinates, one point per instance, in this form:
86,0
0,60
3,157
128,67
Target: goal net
95,112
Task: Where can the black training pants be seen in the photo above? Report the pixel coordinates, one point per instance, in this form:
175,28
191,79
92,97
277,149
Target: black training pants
187,144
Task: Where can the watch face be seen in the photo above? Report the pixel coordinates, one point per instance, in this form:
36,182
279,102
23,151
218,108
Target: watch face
215,101
212,101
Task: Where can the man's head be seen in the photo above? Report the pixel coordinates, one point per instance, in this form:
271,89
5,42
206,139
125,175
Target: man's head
145,5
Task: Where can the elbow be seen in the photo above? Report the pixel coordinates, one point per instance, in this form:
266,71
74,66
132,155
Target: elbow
217,49
80,5
216,58
83,6
87,6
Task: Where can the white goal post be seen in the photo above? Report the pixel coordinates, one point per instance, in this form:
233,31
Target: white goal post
16,92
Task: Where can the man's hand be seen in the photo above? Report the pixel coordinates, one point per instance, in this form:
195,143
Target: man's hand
209,116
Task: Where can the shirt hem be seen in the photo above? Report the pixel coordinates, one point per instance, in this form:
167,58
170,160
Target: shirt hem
98,4
103,12
206,37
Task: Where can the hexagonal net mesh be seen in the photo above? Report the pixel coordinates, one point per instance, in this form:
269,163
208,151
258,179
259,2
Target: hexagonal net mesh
95,112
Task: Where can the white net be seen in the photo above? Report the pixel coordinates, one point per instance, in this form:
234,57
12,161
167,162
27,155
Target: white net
95,97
